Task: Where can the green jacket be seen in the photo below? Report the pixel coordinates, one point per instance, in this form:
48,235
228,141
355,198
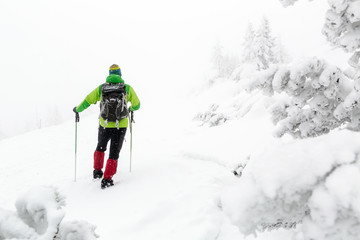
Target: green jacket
95,96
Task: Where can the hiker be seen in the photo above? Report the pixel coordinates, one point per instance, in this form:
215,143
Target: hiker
113,96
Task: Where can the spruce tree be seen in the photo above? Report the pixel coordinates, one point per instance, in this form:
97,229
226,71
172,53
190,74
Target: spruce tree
263,46
248,54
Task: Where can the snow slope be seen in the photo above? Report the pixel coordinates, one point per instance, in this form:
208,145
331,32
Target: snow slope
167,196
182,185
173,192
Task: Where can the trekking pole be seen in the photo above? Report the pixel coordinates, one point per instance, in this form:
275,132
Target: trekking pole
131,121
77,119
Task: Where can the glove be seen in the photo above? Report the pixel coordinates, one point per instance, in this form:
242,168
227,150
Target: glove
132,115
77,117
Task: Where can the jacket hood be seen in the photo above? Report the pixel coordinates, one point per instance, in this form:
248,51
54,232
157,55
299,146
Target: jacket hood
114,78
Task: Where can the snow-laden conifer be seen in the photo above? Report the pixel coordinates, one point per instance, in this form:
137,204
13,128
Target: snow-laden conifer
260,50
321,96
342,29
223,64
311,184
248,54
280,54
317,94
263,45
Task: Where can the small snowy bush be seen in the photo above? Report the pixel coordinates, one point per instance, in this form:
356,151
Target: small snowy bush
39,217
42,210
211,117
12,227
76,230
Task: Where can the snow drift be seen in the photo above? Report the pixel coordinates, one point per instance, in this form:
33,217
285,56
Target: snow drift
39,216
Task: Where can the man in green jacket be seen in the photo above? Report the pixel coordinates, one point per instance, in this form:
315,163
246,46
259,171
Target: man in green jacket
113,96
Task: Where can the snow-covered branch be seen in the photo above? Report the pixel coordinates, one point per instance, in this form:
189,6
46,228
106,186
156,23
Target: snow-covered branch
342,25
318,99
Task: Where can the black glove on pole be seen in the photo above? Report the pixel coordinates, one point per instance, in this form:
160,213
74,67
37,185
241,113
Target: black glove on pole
77,119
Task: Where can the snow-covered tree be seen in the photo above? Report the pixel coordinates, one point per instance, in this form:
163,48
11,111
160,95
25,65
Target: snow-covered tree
223,64
311,184
315,189
316,97
248,58
342,25
263,46
321,97
248,54
342,29
260,48
218,58
280,54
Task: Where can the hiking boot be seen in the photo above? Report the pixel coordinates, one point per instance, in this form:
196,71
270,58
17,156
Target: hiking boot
106,183
97,174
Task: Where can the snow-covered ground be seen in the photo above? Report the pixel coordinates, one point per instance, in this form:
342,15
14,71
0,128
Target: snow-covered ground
182,184
173,192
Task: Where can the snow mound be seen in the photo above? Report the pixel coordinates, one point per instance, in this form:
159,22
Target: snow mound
311,184
39,216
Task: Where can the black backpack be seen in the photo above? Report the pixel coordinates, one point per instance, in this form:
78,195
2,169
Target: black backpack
113,104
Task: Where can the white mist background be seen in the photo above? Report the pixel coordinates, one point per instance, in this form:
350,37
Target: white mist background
53,53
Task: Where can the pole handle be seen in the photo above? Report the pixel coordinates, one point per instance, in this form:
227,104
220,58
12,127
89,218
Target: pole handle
77,116
132,116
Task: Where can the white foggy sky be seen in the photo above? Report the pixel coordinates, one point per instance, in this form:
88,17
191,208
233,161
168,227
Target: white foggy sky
58,51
